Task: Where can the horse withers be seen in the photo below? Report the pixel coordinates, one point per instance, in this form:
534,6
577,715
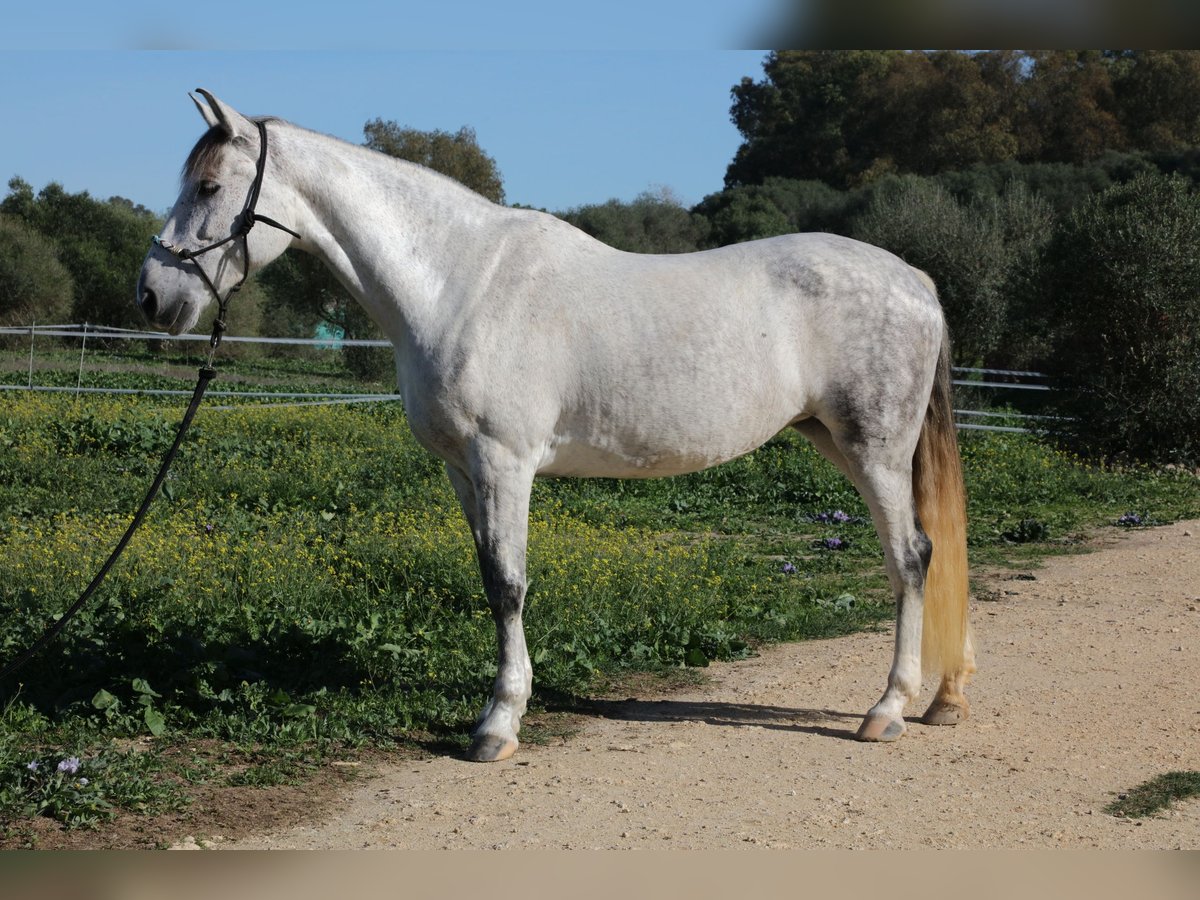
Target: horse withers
524,347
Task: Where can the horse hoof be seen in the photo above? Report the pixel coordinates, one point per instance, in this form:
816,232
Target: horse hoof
489,748
880,728
945,712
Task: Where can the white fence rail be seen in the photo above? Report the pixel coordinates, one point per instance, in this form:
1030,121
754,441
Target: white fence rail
1020,380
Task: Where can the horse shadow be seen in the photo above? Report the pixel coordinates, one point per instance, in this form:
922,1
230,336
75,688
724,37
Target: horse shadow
728,715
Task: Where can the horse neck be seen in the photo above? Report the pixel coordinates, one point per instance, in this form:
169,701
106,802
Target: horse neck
388,229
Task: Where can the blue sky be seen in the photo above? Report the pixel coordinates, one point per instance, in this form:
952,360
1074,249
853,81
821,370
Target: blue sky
85,103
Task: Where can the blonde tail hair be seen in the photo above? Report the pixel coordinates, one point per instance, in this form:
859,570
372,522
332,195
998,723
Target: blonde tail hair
941,507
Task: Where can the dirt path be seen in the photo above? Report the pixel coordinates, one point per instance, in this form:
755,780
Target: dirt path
1089,684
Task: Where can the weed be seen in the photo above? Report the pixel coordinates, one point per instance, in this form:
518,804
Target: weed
1156,794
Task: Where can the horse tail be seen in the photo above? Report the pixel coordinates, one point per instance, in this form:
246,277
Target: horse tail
940,500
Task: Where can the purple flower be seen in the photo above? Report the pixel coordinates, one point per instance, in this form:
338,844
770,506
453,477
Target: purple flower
33,765
833,543
788,569
836,515
208,529
1130,519
70,765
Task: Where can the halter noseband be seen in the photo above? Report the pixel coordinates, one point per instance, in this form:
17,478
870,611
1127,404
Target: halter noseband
241,230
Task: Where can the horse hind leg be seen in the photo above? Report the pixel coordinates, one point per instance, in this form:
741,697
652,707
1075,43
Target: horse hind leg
907,550
885,482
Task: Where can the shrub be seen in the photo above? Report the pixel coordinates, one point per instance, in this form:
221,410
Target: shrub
1125,286
34,285
654,222
777,206
977,254
101,243
743,214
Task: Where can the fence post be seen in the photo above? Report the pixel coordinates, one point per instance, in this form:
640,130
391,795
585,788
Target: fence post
32,325
82,347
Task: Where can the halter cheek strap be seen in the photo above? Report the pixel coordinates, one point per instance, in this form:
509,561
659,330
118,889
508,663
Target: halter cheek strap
241,229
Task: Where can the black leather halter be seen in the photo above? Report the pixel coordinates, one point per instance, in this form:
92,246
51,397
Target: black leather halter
241,229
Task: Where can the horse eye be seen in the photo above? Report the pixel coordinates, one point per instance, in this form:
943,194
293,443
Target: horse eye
208,188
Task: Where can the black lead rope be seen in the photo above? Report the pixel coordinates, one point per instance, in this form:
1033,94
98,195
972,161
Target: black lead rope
206,374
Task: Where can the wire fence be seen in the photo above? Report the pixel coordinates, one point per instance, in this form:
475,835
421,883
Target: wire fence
989,380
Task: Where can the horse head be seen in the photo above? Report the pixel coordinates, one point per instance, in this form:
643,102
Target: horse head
205,249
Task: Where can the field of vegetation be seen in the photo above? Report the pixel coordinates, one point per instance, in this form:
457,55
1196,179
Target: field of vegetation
305,589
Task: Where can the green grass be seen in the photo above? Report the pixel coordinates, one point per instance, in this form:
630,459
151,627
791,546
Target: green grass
306,584
1156,794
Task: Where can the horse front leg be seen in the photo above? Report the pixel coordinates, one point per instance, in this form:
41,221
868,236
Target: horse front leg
495,497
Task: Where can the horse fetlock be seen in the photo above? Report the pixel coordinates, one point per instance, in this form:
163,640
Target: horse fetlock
903,686
947,708
502,717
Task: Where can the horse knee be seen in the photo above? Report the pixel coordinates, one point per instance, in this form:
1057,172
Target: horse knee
506,601
504,586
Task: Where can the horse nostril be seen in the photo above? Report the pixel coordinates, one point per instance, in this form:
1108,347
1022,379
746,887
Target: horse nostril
149,303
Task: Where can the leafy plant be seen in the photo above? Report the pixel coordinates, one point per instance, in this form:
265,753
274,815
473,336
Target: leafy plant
1124,280
1027,531
310,584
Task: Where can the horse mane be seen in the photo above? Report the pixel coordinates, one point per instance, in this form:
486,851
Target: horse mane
204,153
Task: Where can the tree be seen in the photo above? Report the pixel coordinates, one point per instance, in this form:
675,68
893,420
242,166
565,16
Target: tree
777,206
456,154
302,293
34,285
1027,222
1157,95
101,243
851,117
1070,107
936,111
1124,283
743,214
651,223
804,119
970,115
1063,185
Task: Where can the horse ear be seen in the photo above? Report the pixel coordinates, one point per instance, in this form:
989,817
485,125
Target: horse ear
207,113
227,117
